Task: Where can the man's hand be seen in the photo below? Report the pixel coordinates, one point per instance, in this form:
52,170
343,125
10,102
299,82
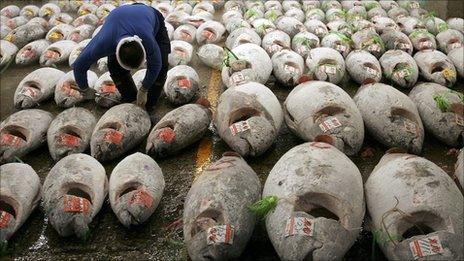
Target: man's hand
88,94
142,95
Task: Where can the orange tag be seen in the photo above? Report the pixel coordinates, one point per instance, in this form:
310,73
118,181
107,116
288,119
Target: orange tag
167,135
142,197
11,140
68,140
4,219
185,36
108,88
184,83
207,34
28,53
70,91
75,37
114,136
52,55
75,204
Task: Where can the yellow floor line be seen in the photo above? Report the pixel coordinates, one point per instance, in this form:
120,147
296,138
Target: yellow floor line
205,148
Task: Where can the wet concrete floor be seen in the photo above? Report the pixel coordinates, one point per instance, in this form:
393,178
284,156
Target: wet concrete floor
37,240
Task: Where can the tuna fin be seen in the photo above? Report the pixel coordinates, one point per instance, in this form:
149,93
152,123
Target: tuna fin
231,154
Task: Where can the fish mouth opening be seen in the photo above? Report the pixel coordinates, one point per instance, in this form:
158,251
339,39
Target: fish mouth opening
438,67
13,135
185,34
69,136
319,205
180,51
80,191
420,223
401,71
129,187
327,112
8,205
424,43
112,125
31,89
53,54
328,62
28,53
371,67
243,114
454,43
209,33
205,220
183,82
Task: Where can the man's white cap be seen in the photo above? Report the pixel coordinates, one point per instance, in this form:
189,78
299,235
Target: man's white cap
127,40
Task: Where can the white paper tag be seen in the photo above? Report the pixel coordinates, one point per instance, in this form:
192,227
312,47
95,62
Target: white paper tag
274,48
223,234
371,71
426,44
239,127
428,246
340,47
29,92
238,78
329,69
299,226
455,45
374,48
329,124
402,46
319,31
290,69
402,73
414,5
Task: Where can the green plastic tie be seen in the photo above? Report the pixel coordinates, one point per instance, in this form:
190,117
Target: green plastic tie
264,206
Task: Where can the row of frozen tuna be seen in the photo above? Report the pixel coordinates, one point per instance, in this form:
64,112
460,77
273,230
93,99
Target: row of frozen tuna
313,202
182,86
249,118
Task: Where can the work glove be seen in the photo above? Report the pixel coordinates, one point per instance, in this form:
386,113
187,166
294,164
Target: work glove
142,95
87,94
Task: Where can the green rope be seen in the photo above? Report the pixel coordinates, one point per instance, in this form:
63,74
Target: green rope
442,102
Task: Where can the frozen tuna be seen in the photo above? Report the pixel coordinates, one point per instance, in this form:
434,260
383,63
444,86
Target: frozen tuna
320,207
185,33
107,95
4,31
288,67
415,204
245,63
61,18
408,24
118,131
8,51
242,35
435,25
276,41
31,52
369,41
77,51
457,57
66,93
248,118
181,53
57,52
169,29
135,189
456,23
436,67
317,28
332,116
363,66
337,41
20,194
23,132
390,116
104,10
59,32
400,68
449,40
48,10
89,19
74,192
69,133
182,84
81,33
385,24
263,26
396,40
303,42
10,11
211,55
25,34
441,110
36,87
326,64
179,129
210,32
459,168
423,40
87,8
217,221
16,21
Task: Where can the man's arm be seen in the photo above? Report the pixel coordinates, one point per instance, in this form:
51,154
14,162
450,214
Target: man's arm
89,55
154,64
